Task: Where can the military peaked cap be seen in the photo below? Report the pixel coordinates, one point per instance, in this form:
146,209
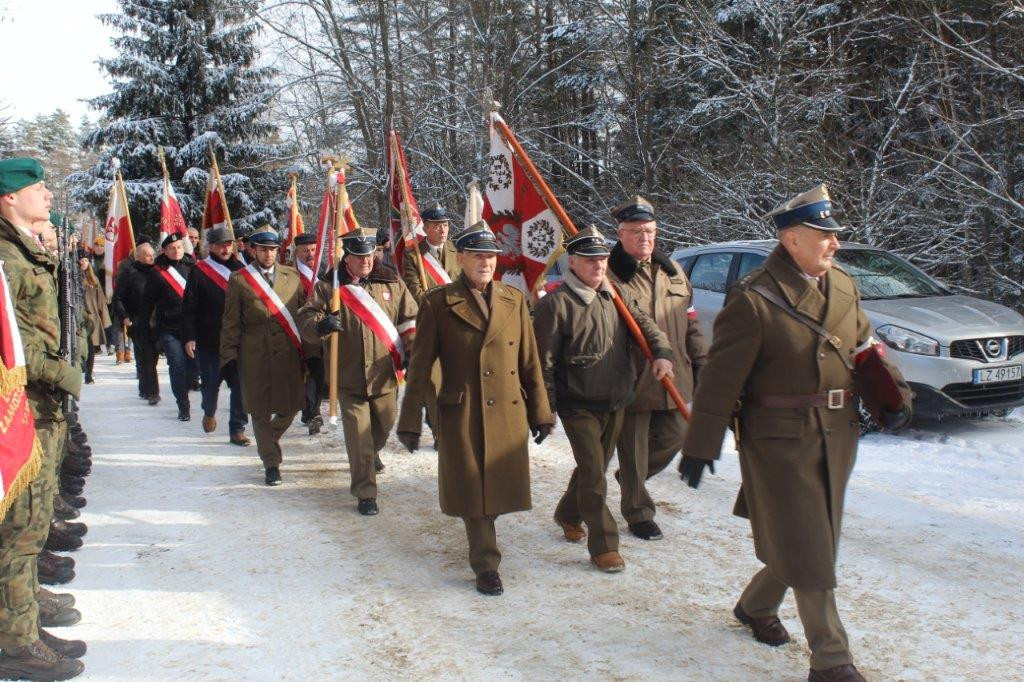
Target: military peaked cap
265,236
19,173
636,209
813,208
361,242
588,242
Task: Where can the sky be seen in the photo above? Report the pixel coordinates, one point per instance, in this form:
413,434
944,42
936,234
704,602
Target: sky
51,47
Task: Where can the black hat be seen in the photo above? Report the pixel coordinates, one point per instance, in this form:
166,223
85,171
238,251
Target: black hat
304,238
219,235
170,239
143,239
383,236
588,242
478,238
813,208
435,214
635,209
361,242
265,236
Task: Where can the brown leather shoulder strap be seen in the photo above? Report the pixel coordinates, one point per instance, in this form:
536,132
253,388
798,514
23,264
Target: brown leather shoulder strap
833,340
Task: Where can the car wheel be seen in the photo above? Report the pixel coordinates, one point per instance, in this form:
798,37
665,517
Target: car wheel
867,422
1000,414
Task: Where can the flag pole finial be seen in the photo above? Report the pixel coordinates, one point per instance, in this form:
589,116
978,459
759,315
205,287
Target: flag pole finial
490,104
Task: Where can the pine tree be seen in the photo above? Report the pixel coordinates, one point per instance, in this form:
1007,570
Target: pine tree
186,78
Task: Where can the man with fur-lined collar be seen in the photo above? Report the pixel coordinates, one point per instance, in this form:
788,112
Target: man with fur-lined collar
653,429
369,365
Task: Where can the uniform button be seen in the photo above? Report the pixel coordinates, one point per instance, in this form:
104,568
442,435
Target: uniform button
487,373
821,355
513,371
515,402
490,402
510,343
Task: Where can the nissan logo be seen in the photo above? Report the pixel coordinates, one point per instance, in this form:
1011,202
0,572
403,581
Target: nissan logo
994,347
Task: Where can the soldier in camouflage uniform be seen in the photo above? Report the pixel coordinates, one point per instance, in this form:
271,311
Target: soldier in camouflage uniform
29,651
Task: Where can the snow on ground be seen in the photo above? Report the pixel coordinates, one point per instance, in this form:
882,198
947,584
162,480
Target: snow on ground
193,569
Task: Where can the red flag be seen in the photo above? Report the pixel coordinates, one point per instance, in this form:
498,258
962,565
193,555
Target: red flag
526,229
295,227
20,453
171,219
118,233
398,181
214,214
326,227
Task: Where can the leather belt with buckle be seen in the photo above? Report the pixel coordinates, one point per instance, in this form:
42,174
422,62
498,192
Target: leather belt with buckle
836,399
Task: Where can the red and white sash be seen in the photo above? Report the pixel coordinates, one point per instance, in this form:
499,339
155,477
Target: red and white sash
215,271
273,303
433,267
306,275
373,316
174,279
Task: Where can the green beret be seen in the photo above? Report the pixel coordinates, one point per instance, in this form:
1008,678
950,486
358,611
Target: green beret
18,174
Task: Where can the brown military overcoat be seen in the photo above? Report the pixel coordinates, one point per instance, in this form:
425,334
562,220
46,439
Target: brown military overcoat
491,392
449,261
269,366
795,463
365,366
671,307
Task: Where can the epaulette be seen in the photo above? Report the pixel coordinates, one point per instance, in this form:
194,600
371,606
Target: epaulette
748,279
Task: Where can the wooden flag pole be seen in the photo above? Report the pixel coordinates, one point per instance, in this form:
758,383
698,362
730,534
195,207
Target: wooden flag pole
334,164
556,207
220,191
124,199
406,211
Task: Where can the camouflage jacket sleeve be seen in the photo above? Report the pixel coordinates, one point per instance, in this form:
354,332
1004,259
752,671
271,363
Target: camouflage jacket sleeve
736,347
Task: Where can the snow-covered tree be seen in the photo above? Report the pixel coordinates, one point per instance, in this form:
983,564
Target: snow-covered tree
186,77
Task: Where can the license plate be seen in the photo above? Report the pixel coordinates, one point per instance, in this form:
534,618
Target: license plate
990,375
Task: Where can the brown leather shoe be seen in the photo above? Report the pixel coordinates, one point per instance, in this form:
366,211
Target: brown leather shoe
239,439
489,583
72,648
768,630
52,615
37,662
209,424
608,562
840,673
119,358
127,355
573,532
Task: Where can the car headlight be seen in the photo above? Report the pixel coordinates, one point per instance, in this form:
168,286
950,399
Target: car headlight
907,341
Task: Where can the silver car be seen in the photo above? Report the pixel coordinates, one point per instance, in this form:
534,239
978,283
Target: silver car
961,355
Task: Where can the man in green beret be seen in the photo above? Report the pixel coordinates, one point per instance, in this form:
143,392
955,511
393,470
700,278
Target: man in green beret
29,651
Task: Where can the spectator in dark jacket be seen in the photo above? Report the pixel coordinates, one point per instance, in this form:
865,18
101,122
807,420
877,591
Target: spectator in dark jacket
202,312
127,306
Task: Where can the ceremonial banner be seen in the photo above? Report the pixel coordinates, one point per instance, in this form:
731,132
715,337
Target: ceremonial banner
118,234
324,254
295,227
20,452
215,209
526,229
171,219
215,271
273,303
400,191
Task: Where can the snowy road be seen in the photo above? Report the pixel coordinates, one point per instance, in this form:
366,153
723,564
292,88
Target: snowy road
193,569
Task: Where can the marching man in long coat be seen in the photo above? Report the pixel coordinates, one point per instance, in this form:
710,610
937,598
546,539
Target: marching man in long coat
375,323
785,345
260,341
492,393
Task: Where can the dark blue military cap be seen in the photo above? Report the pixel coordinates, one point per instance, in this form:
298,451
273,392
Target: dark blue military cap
588,242
636,209
170,239
265,236
813,208
478,238
361,242
304,239
435,215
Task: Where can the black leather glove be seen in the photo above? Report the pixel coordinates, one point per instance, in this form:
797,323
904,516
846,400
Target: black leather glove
696,371
230,370
541,431
691,469
894,421
410,440
331,323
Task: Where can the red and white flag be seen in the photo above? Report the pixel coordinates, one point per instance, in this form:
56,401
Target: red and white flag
526,230
402,238
118,234
295,227
172,221
363,306
215,213
327,230
20,452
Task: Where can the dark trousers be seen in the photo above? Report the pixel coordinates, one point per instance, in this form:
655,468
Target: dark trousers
115,335
90,362
145,364
182,369
209,370
315,381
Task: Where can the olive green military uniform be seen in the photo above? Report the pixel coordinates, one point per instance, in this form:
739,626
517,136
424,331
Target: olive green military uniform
795,462
270,367
367,384
492,390
31,275
447,256
653,429
589,370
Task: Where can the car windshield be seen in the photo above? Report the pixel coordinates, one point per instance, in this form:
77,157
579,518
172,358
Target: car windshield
882,275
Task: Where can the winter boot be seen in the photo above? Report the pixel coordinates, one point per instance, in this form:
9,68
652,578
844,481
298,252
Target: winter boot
56,560
72,648
38,662
64,511
127,355
75,466
62,541
78,529
74,500
119,358
53,616
79,449
60,600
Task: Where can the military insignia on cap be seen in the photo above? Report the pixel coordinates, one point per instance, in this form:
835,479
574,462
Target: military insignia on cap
436,214
589,242
170,239
478,238
636,209
361,242
265,236
813,208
